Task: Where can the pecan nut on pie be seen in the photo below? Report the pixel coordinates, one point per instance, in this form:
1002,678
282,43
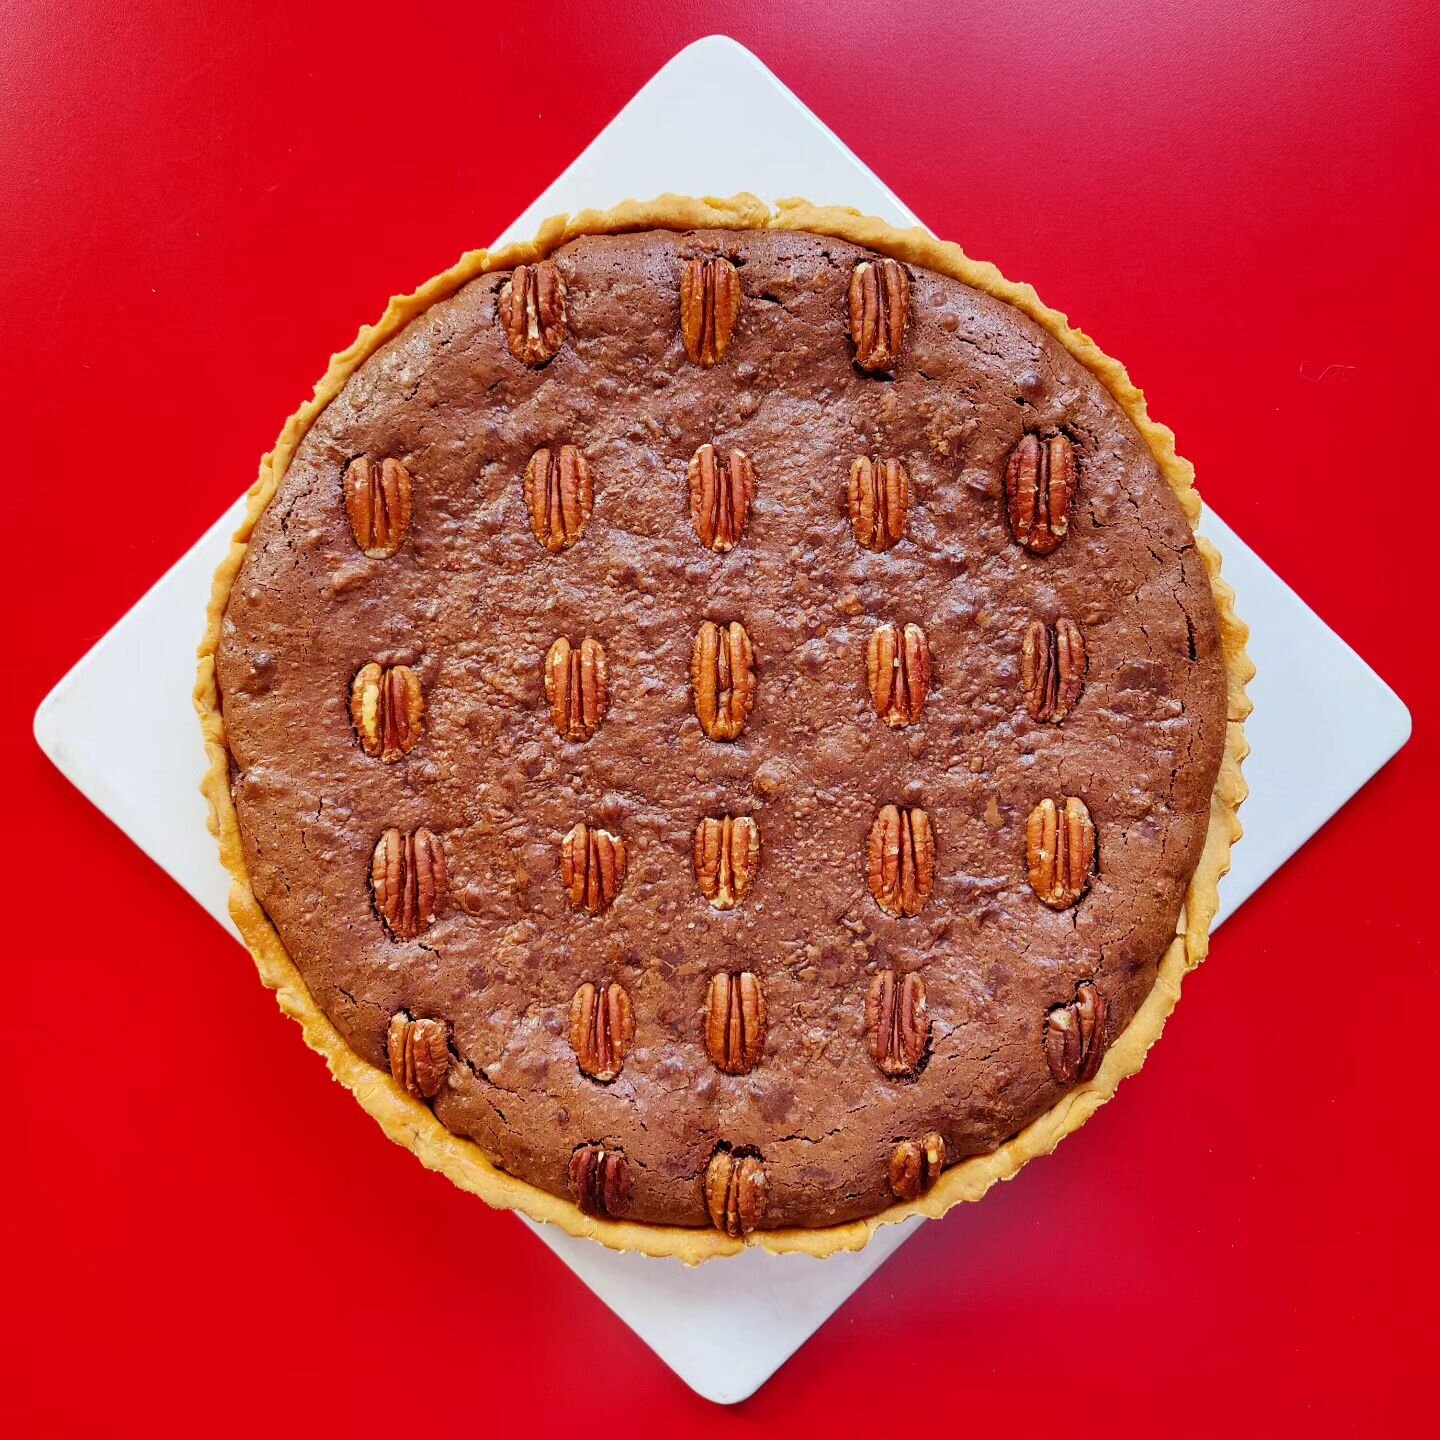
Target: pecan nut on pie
722,727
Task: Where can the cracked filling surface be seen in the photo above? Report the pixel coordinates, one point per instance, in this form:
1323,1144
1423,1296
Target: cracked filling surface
472,603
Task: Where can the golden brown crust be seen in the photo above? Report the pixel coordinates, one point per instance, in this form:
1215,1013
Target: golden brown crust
411,1123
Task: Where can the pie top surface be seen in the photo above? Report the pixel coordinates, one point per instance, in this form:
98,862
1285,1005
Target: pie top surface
408,803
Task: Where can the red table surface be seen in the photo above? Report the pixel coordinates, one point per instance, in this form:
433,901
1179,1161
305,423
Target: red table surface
199,202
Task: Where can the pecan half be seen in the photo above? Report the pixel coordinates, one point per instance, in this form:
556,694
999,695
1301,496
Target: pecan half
1052,669
577,685
377,501
897,1023
898,664
879,308
735,1021
559,496
721,489
600,1181
916,1165
419,1054
407,878
1075,1035
709,307
387,709
727,854
902,860
602,1027
532,312
1039,486
735,1191
879,501
592,867
1060,851
722,672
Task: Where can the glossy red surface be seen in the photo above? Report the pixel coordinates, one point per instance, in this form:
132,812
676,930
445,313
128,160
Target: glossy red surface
199,202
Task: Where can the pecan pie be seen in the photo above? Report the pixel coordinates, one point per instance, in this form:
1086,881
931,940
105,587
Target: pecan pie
722,727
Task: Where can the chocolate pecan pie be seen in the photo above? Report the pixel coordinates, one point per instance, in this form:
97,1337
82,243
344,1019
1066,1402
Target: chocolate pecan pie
722,727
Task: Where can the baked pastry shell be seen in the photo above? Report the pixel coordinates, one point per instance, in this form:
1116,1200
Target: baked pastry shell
411,1123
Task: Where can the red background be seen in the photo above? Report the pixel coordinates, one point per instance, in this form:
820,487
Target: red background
198,202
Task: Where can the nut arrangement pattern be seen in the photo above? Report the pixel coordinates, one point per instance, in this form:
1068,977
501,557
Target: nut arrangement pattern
592,867
577,685
378,497
407,880
879,310
745,1027
902,860
721,490
735,1021
736,1191
1075,1035
897,1022
600,1181
897,666
532,312
727,855
879,501
1052,668
387,709
1060,851
419,1055
722,675
1040,481
916,1165
602,1029
559,495
709,307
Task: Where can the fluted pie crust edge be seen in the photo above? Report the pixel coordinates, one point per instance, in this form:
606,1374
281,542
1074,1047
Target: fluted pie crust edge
410,1123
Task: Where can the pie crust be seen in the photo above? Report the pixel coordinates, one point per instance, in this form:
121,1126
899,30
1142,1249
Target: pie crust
412,1123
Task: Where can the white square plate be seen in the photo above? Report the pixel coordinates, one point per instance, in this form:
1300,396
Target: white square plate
713,121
